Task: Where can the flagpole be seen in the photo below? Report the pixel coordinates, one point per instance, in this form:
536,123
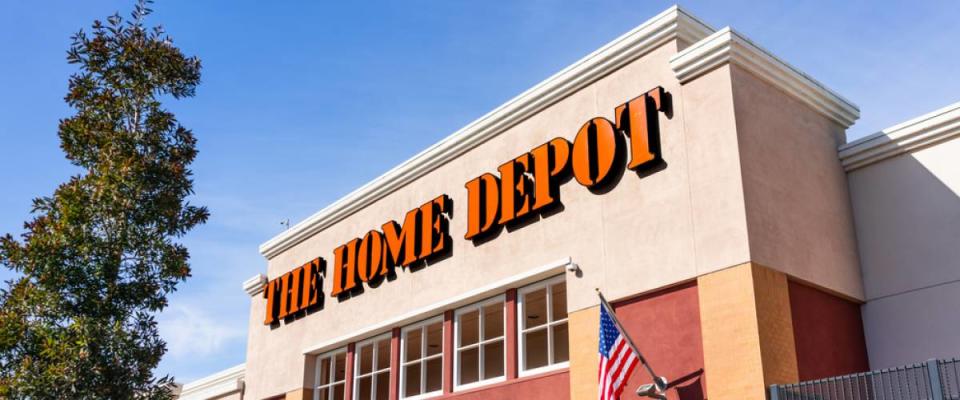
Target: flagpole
660,383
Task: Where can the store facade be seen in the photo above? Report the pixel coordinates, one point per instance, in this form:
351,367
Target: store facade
690,175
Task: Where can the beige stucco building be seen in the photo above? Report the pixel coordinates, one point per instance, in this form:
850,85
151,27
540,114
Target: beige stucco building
753,246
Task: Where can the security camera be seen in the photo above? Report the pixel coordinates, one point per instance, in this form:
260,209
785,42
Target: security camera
573,268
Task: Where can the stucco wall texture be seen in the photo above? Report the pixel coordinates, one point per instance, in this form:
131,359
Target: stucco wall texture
907,211
749,175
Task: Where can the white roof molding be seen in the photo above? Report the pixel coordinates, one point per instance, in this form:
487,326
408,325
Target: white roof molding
254,285
221,383
671,24
727,46
920,132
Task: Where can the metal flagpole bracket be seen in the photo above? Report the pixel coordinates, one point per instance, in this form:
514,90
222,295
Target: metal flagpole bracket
659,386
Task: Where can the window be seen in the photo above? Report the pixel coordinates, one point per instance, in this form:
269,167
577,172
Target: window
331,375
422,366
543,325
479,345
372,377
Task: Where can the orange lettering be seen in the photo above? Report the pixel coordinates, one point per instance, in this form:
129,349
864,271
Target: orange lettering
402,239
483,204
517,188
344,268
595,152
370,259
551,161
637,118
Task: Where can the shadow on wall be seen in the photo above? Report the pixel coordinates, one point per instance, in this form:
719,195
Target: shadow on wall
907,216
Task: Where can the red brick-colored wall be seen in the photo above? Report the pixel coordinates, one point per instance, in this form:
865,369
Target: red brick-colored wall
828,331
665,325
551,385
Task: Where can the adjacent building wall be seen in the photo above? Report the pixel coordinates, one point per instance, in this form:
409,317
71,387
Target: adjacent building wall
905,186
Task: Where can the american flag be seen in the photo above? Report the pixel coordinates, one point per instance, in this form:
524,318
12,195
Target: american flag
617,358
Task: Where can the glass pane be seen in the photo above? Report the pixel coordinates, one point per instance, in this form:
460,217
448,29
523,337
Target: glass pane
340,367
366,359
383,386
383,354
412,343
559,301
434,375
434,338
493,321
493,360
322,394
535,349
411,380
324,371
469,326
338,392
560,343
363,387
469,360
535,308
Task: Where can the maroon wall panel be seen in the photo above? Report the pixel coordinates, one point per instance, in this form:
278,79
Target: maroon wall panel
665,325
552,385
829,333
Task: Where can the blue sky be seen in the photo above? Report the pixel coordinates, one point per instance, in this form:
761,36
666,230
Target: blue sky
302,102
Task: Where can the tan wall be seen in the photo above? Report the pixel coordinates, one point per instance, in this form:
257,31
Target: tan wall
907,211
798,209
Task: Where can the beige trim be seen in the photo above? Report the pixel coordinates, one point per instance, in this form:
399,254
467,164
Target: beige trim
255,284
917,133
727,46
219,384
674,23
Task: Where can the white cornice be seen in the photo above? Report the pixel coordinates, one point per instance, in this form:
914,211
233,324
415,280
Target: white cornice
671,24
254,285
529,276
221,383
726,46
916,133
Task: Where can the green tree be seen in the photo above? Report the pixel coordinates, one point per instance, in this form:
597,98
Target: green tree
100,255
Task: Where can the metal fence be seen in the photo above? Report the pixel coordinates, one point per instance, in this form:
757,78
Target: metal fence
933,380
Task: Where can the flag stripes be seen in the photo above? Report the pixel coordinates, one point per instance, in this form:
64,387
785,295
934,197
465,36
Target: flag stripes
617,359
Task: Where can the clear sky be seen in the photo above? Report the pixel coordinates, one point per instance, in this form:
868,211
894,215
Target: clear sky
302,102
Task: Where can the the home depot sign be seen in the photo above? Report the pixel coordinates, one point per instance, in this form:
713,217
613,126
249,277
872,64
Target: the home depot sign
523,187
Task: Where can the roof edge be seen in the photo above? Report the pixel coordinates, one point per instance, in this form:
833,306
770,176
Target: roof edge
728,46
218,384
673,23
925,130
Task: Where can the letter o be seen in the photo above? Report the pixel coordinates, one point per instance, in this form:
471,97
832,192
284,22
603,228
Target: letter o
594,152
370,259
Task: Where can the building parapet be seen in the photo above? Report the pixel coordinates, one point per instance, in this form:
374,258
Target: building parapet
917,133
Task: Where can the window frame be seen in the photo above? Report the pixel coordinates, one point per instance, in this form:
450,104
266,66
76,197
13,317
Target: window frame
478,306
373,364
332,355
548,325
423,358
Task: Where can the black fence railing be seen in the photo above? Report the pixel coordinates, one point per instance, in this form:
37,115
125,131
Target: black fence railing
932,380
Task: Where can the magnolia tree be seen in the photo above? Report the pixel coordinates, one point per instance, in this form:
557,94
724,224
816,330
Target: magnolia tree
101,254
